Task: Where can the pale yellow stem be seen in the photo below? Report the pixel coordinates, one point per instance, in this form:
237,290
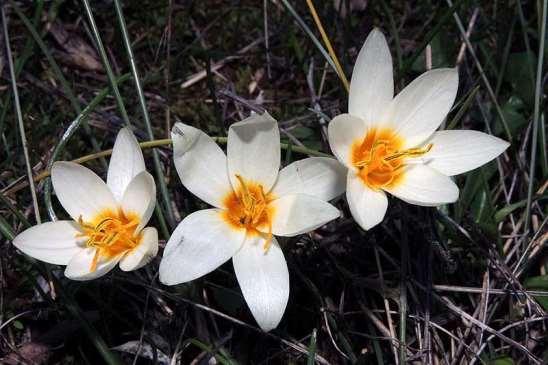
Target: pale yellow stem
152,144
327,43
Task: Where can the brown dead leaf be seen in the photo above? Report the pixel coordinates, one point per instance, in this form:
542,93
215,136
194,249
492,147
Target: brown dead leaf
75,50
29,353
257,77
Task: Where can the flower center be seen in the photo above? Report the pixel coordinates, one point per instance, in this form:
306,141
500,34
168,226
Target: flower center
111,233
379,157
248,207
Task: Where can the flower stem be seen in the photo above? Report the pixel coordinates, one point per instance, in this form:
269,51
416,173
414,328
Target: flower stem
167,141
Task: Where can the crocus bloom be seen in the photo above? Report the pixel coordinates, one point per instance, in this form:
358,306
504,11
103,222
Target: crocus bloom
108,225
390,144
253,202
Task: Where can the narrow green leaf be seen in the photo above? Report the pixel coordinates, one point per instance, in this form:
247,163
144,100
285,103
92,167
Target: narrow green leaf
312,348
538,283
507,210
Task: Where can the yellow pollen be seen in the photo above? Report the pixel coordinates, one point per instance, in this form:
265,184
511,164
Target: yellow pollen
110,233
379,158
249,207
410,152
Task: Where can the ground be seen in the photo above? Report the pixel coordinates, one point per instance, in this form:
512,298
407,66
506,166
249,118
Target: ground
458,284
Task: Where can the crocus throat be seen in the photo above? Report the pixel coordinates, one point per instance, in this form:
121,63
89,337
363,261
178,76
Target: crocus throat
248,207
111,234
379,158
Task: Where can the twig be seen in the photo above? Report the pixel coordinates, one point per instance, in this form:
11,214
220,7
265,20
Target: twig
490,291
142,335
448,333
512,325
200,75
482,325
482,73
297,347
386,305
428,54
403,293
331,337
471,24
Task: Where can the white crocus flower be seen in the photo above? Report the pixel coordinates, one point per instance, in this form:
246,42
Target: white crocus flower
390,144
109,219
253,201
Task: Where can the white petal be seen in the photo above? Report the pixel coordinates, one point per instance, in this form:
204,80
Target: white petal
367,206
455,152
51,242
80,191
343,131
200,163
264,280
202,242
126,162
422,185
372,84
299,213
142,254
421,107
79,268
140,198
321,177
253,150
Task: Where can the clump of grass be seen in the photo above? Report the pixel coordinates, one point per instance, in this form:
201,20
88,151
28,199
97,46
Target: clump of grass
462,284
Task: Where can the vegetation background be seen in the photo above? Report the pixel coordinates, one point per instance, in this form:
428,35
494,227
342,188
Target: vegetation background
462,284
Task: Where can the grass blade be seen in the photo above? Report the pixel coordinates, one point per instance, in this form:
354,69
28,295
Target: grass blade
536,118
5,229
156,158
482,73
109,357
403,297
69,132
20,62
307,30
312,348
56,70
20,117
327,43
428,38
14,210
106,62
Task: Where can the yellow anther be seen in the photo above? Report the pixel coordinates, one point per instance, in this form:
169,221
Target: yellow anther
379,157
411,152
113,234
268,241
245,195
248,207
94,261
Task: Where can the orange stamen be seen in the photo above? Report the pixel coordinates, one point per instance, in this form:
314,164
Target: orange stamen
380,159
249,207
110,233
